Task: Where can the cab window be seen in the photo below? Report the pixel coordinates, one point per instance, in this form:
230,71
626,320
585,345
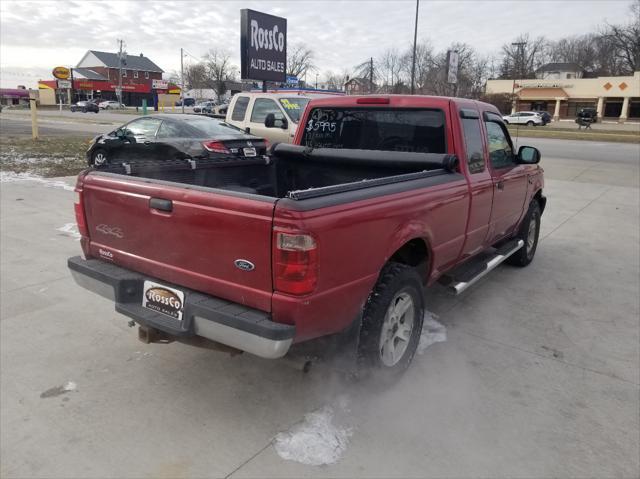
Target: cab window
473,143
500,150
262,107
240,108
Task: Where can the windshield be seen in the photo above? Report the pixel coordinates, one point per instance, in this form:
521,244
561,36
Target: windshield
294,107
211,127
376,129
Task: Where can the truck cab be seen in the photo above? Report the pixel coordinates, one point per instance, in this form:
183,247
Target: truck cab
273,116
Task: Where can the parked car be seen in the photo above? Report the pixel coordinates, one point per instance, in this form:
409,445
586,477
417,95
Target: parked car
529,118
204,107
322,238
85,106
273,116
221,109
187,102
170,137
110,105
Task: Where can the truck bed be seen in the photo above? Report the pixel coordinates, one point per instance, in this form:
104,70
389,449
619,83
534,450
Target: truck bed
292,172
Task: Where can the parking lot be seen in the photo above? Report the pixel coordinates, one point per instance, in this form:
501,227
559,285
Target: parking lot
539,375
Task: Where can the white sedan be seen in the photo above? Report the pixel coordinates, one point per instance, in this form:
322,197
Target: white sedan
529,118
109,104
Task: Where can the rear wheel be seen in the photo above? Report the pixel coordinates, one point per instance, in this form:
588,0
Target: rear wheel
529,233
530,123
391,323
506,122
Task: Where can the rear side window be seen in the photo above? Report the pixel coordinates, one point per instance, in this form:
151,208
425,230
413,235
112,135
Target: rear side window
145,127
500,150
262,107
240,108
170,129
473,143
376,129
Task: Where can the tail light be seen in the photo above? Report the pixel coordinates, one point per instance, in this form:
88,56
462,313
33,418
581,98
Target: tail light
295,263
81,219
215,146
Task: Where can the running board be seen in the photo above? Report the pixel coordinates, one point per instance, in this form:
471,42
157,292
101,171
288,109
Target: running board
472,272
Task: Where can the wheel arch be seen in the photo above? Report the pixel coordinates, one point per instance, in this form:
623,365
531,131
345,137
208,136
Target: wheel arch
414,252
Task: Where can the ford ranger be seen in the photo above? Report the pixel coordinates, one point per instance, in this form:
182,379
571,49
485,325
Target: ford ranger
378,198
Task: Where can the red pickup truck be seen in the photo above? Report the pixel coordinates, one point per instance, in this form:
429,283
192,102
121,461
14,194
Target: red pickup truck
379,197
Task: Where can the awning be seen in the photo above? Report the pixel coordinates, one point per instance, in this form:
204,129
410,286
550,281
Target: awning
542,94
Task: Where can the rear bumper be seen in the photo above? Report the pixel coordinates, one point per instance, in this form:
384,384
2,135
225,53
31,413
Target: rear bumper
213,318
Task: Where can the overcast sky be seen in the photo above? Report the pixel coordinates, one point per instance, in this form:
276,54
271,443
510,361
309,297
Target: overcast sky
37,36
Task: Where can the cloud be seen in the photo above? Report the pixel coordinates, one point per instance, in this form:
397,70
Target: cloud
341,33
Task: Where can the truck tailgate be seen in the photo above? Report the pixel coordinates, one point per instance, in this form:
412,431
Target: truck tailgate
186,236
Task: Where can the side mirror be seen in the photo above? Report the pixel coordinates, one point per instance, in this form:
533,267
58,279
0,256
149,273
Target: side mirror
528,155
270,120
285,123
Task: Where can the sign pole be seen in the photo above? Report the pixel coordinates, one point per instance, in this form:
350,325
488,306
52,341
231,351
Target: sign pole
34,115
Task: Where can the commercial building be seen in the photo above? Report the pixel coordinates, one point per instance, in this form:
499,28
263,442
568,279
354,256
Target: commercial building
14,96
97,76
563,89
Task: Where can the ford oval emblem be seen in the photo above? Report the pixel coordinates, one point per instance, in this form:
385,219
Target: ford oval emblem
244,265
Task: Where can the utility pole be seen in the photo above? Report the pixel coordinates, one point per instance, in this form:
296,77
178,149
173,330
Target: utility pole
415,39
520,57
182,78
120,74
371,75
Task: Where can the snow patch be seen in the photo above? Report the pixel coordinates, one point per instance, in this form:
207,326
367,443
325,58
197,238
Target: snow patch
71,230
432,332
70,386
11,177
315,441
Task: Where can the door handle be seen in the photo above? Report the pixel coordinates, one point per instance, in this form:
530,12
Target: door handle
161,204
500,185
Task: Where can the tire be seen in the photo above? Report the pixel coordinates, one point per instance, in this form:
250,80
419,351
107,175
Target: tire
99,157
382,352
84,110
506,122
530,236
530,123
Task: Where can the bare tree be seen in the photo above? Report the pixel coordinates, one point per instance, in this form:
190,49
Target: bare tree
195,76
521,58
299,60
625,42
370,72
219,70
390,67
334,81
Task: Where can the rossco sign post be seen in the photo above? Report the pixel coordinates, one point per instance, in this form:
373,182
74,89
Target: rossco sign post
263,47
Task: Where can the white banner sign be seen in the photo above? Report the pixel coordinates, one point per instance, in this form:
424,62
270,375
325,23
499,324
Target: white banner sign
159,84
64,84
452,67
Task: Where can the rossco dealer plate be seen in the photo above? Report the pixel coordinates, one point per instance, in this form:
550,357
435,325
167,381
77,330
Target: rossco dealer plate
163,299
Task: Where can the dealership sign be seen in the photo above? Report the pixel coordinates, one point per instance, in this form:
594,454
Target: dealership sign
452,66
61,73
263,46
159,84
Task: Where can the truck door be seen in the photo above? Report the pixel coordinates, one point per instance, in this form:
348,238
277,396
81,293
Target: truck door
480,182
509,179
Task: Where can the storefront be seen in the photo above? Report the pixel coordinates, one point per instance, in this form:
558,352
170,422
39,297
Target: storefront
614,98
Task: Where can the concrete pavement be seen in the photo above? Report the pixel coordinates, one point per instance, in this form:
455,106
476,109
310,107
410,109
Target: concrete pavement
539,376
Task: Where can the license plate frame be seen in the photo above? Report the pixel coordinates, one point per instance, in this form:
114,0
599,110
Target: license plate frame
163,299
249,152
